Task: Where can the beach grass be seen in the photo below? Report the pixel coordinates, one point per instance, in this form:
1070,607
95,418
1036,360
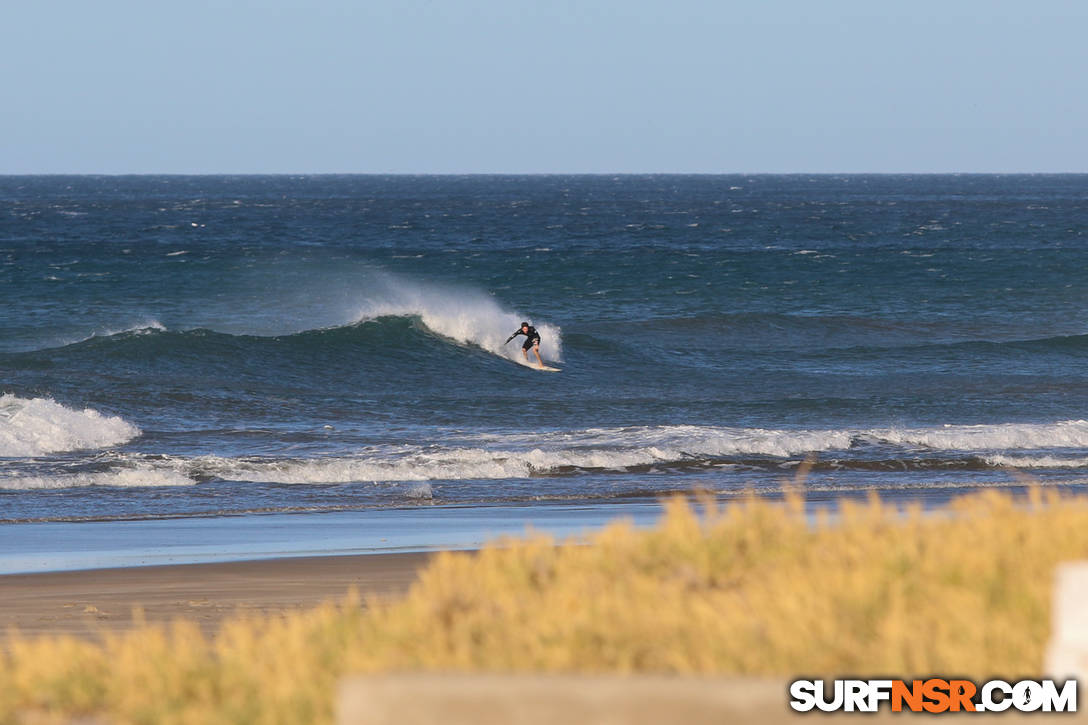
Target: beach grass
751,588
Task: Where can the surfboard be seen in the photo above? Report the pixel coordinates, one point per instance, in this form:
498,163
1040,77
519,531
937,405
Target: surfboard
534,366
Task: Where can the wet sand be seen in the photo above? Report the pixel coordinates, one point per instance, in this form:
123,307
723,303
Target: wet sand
83,603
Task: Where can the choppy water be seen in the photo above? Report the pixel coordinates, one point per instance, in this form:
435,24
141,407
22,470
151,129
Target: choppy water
190,345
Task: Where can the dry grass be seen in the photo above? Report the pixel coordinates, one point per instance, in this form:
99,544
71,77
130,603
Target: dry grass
752,589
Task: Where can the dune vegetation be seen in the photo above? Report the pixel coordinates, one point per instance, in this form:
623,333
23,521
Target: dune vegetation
752,588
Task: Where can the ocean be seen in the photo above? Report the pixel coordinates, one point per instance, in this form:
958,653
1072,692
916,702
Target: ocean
227,348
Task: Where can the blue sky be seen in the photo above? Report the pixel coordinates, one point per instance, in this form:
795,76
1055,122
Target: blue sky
548,86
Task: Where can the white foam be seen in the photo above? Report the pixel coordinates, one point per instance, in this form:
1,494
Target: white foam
467,316
530,454
686,441
125,478
141,328
711,440
522,455
1063,434
448,465
1037,462
459,463
38,426
327,297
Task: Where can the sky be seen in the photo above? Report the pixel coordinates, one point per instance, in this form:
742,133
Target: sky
543,86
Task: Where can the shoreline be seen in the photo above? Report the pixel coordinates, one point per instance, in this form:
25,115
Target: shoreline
88,578
88,602
75,546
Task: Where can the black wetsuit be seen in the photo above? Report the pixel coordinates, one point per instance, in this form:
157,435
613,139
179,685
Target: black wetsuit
532,337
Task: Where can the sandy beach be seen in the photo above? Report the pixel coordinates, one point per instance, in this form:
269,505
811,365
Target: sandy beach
83,603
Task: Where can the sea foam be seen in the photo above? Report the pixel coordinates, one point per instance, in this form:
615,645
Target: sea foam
323,298
1037,462
467,316
516,456
39,426
139,476
525,455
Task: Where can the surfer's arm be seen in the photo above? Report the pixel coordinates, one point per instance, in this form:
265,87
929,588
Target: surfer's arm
519,332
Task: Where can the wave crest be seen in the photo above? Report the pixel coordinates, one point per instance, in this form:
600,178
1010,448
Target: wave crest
135,477
625,450
468,317
462,316
39,426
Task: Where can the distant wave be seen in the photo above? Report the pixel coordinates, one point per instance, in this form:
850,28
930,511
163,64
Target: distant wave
39,426
393,320
1037,461
140,328
466,316
137,476
1055,344
844,334
409,334
463,317
620,450
394,340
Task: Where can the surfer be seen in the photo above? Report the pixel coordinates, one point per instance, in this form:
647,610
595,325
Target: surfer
532,340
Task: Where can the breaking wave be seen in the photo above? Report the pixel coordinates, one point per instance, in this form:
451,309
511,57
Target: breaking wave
604,450
39,426
466,316
376,311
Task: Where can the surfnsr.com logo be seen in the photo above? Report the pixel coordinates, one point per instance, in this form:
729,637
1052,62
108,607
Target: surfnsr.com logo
933,695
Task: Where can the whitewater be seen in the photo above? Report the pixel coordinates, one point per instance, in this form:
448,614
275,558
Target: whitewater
37,427
31,428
